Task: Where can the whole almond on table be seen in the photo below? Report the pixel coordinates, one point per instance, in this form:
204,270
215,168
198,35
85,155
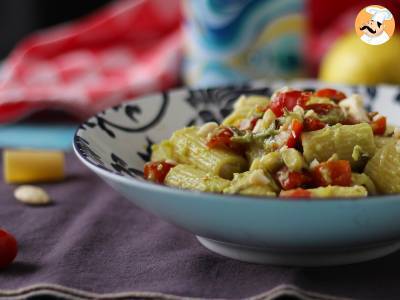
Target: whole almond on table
32,195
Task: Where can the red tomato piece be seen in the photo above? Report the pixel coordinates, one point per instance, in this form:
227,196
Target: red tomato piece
221,139
337,172
288,100
157,171
253,123
296,193
333,94
321,108
290,180
8,248
312,124
349,121
379,126
296,130
248,124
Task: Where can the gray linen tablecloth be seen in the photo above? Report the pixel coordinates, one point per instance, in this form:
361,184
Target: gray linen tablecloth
93,243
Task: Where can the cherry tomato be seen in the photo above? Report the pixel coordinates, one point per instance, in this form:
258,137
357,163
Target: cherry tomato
221,139
296,130
337,172
379,126
8,248
333,94
157,171
321,108
288,100
290,179
312,124
296,193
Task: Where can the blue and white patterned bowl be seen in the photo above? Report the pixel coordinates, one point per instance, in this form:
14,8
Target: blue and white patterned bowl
116,143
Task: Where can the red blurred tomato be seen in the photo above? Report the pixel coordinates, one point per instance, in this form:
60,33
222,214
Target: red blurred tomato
221,139
248,124
379,126
337,172
333,94
297,193
157,171
321,108
296,130
290,179
312,124
288,100
8,248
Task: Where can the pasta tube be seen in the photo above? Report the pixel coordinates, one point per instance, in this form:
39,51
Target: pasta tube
364,180
162,151
252,183
332,191
192,178
270,162
339,139
381,141
384,168
254,151
244,107
190,148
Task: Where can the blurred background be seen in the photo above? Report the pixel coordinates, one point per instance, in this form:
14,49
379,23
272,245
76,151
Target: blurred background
73,59
18,18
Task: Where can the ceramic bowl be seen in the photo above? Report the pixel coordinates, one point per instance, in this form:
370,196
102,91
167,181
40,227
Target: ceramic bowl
116,143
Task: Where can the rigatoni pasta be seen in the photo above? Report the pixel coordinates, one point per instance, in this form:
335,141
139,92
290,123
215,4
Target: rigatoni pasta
297,144
340,139
252,183
244,107
192,178
190,148
384,168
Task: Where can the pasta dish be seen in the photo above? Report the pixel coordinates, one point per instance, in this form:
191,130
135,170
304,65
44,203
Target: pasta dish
297,144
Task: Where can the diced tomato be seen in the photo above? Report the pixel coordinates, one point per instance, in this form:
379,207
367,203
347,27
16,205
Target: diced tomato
221,139
348,121
248,124
296,193
333,94
379,126
288,100
312,124
157,171
321,108
290,179
253,123
294,137
337,172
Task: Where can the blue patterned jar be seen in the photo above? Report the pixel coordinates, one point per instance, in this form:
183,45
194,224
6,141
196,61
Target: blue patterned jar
238,40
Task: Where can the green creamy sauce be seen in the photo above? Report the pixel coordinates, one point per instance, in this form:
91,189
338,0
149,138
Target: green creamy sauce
334,116
249,137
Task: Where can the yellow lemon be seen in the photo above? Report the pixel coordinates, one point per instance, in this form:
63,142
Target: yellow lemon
352,61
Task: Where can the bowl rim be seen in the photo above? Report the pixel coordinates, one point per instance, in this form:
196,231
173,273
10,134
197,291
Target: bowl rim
150,186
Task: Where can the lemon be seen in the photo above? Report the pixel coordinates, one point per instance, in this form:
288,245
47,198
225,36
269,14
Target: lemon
352,61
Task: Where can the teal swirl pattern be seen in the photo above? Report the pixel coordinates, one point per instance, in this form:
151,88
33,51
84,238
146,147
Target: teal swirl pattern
237,40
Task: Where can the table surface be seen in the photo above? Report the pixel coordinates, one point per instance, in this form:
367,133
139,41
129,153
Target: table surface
91,239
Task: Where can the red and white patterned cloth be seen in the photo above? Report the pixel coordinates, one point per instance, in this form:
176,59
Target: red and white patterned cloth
126,49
